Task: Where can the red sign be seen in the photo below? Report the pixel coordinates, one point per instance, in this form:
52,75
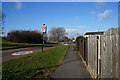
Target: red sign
43,28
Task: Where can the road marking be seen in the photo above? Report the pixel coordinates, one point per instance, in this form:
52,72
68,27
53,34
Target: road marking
21,53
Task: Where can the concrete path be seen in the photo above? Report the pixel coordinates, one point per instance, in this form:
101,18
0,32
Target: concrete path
72,67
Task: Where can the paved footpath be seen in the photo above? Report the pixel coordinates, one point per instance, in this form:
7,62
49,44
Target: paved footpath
72,67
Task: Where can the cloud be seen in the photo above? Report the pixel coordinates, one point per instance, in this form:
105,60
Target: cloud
100,4
93,12
73,32
76,17
99,0
81,26
105,14
106,26
18,5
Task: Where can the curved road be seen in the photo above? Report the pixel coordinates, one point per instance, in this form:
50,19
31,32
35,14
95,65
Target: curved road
6,53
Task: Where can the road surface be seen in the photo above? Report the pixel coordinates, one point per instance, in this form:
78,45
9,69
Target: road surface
6,53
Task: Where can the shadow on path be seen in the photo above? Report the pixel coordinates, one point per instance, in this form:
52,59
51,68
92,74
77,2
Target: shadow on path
72,67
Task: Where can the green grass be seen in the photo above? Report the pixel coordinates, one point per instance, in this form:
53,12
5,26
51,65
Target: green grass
37,65
52,42
9,45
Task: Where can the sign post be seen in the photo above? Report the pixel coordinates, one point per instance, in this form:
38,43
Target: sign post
43,29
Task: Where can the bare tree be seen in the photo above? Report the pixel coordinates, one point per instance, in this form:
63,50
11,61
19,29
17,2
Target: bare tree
56,34
2,16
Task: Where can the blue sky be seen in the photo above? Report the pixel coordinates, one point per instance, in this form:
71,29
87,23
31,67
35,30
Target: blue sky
76,17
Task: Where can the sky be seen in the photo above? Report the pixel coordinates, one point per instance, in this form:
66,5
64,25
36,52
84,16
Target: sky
61,0
75,17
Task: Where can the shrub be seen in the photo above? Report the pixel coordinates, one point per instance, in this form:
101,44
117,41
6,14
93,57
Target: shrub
25,36
77,42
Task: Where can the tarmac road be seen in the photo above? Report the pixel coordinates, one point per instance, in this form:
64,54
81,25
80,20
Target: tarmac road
6,53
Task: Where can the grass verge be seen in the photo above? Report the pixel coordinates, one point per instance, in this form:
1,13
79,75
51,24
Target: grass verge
10,45
36,65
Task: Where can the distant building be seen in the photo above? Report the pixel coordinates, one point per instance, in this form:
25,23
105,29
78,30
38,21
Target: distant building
73,40
93,33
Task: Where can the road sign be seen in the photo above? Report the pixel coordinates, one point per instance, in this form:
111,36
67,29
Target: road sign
44,28
21,53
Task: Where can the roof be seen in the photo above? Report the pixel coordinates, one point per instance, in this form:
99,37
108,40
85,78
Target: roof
94,33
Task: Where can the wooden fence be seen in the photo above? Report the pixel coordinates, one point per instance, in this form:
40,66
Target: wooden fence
92,55
110,54
102,54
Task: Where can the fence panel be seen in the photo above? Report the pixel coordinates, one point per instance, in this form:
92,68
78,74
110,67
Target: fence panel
86,50
92,56
109,54
102,54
